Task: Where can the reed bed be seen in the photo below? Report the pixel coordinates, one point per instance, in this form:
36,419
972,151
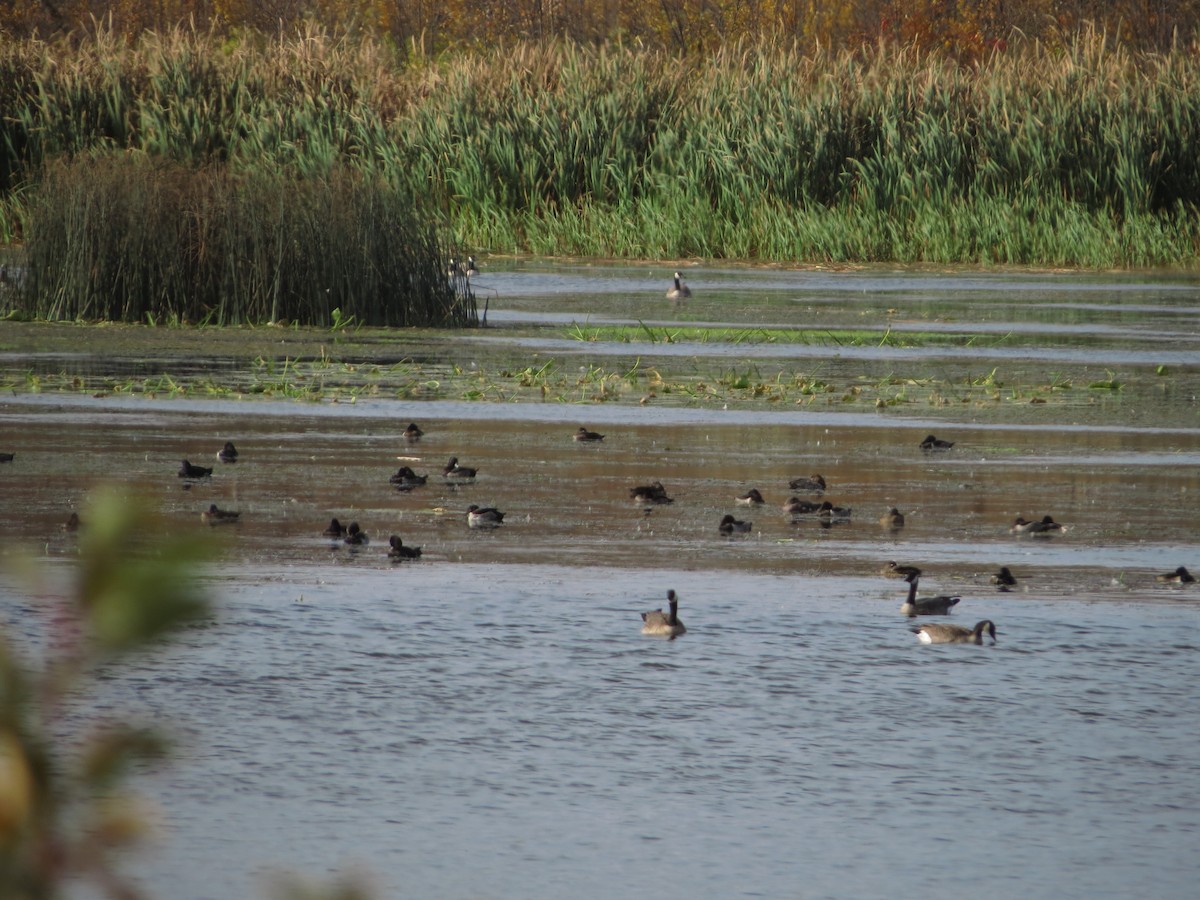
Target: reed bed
138,239
1079,157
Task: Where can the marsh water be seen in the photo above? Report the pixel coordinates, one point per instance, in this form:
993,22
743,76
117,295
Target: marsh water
488,721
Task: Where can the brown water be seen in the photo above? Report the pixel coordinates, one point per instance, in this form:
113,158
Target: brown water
488,721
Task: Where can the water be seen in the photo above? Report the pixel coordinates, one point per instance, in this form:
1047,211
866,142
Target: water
489,722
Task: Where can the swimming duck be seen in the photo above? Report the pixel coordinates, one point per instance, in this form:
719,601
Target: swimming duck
228,453
730,525
585,436
483,517
412,433
406,479
814,484
925,606
932,443
1179,576
892,570
1045,528
355,536
662,624
893,518
72,524
680,291
650,493
453,470
797,507
945,633
7,457
335,530
399,551
751,498
1004,579
187,470
828,511
215,516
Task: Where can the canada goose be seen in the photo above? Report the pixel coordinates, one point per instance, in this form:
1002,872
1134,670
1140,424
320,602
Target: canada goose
814,484
406,479
1044,528
228,453
657,622
751,498
932,443
893,518
944,633
355,536
399,551
215,516
1004,579
484,517
412,433
453,470
470,270
335,530
187,470
680,291
1179,576
585,436
7,457
72,523
925,606
650,493
730,525
892,570
797,507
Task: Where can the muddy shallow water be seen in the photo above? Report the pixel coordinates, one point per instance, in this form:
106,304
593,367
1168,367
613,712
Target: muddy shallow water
488,722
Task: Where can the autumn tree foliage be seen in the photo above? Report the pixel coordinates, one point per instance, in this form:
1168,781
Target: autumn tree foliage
966,29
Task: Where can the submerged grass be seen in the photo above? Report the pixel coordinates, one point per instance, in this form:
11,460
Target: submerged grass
1079,157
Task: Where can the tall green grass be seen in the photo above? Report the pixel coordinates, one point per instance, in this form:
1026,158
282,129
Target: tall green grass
137,239
1083,156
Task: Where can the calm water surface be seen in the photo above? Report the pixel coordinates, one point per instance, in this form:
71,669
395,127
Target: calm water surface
489,722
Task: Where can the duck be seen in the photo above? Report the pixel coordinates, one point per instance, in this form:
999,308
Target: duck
355,536
751,498
662,624
893,570
797,507
813,484
484,517
1179,576
925,606
1003,579
187,470
72,524
454,269
650,493
470,271
588,437
730,525
335,530
679,291
453,470
945,633
215,516
828,511
7,457
933,443
412,433
397,550
1044,528
893,518
228,453
406,479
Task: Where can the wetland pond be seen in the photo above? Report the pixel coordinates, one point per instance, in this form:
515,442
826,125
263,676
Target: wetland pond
488,721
